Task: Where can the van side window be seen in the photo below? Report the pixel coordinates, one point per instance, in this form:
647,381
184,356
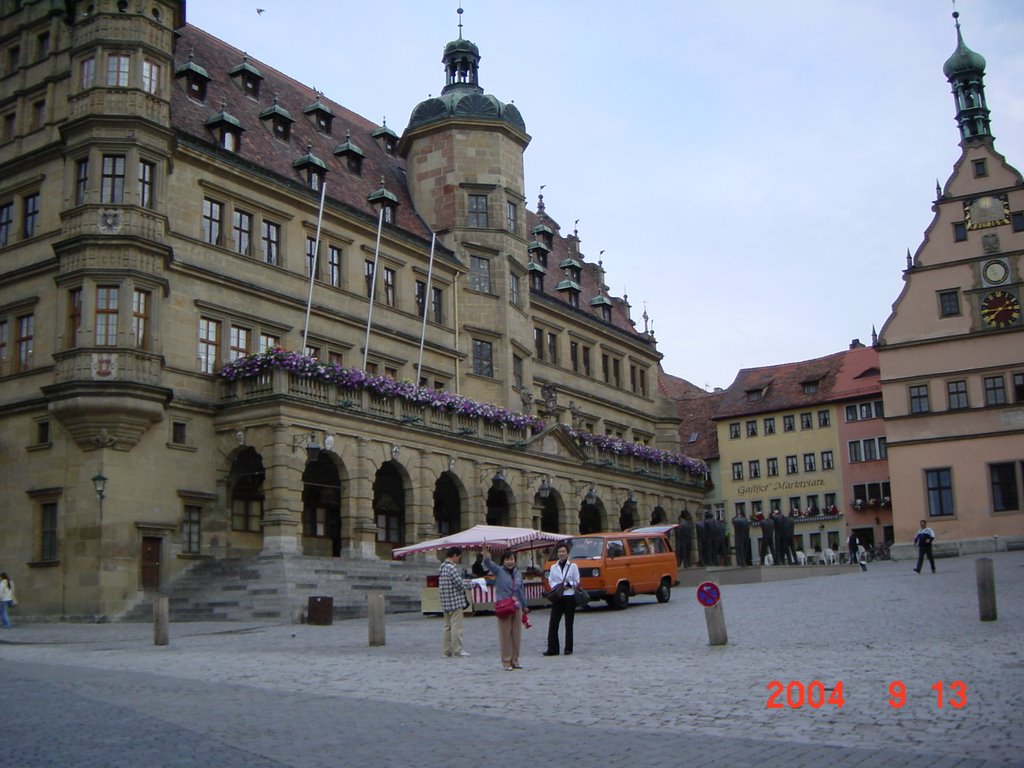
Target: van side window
658,546
639,547
615,548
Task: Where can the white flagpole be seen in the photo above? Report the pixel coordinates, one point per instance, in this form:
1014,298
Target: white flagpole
373,286
312,269
426,307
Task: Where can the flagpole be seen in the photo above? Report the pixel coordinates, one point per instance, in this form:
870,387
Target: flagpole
373,286
312,268
426,304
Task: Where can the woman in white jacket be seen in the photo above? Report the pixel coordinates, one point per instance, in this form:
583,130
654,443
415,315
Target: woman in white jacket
564,575
6,598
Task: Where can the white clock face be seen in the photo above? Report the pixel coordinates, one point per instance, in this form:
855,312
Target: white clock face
995,272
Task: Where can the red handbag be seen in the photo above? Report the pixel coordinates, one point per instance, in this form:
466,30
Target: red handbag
505,607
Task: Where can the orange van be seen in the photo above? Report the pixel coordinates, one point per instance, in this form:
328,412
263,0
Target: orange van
617,566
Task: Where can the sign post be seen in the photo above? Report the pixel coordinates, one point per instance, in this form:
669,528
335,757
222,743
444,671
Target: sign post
710,596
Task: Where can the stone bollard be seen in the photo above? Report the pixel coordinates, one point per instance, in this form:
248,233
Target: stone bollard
715,619
375,614
986,588
161,614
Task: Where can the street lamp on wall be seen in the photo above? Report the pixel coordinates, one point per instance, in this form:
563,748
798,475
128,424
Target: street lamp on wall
307,441
544,489
99,483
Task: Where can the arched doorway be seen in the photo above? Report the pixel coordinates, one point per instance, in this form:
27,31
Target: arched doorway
246,491
590,517
389,509
548,512
627,515
447,505
321,507
497,504
658,516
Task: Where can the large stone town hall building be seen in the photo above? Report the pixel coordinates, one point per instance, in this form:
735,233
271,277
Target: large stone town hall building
200,364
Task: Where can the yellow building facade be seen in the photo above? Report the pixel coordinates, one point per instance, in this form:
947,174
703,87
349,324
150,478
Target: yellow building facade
200,363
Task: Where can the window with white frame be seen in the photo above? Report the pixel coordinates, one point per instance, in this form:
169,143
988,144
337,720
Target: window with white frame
737,470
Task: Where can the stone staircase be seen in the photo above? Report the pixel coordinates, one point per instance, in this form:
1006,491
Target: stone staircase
278,587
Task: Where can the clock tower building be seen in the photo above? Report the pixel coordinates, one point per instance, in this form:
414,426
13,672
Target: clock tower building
952,350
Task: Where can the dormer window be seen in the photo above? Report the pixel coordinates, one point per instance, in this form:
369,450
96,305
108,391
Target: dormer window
312,167
572,269
383,202
321,116
570,289
603,305
753,395
195,76
280,120
538,252
387,138
226,129
810,387
249,78
351,154
537,272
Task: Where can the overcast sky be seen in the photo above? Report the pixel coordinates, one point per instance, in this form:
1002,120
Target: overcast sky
754,171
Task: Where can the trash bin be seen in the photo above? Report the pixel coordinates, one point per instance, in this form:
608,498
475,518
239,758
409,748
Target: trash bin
320,610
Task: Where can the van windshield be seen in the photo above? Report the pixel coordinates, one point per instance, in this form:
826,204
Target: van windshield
586,549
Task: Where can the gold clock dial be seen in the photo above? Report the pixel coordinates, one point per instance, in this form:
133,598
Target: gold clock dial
985,212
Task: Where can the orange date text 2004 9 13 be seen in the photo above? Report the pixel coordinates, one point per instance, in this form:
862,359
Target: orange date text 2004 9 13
795,694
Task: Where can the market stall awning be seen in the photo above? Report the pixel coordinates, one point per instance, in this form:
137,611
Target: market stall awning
494,537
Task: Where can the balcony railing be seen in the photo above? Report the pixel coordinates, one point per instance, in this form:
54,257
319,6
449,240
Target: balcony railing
278,382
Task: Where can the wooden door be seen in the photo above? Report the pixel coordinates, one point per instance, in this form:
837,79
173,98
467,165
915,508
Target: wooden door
151,562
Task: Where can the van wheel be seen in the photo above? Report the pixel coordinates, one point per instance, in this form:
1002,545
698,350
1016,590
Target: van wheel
620,599
664,593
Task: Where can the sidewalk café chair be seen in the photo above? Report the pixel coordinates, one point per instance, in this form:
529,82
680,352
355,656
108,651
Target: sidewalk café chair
828,557
768,560
801,558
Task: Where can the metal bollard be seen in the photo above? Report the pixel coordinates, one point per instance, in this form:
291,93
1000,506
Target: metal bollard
161,616
986,588
375,614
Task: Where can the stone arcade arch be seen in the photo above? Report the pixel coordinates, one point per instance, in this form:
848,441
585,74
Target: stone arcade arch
448,494
245,492
499,505
321,507
389,490
550,507
591,514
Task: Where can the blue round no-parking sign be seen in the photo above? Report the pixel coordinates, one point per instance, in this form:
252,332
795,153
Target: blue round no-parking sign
708,594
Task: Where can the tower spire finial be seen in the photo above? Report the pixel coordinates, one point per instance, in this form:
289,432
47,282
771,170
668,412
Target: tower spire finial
460,19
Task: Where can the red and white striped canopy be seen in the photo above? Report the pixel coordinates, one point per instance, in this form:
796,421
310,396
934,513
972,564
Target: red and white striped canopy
494,537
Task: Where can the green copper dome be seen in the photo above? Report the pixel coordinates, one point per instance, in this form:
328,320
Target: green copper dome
963,60
462,96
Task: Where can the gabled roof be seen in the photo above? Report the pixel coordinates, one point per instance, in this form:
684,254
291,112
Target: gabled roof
858,376
261,151
781,387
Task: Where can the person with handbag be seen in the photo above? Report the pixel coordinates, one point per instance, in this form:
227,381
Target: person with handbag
563,581
508,587
6,599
